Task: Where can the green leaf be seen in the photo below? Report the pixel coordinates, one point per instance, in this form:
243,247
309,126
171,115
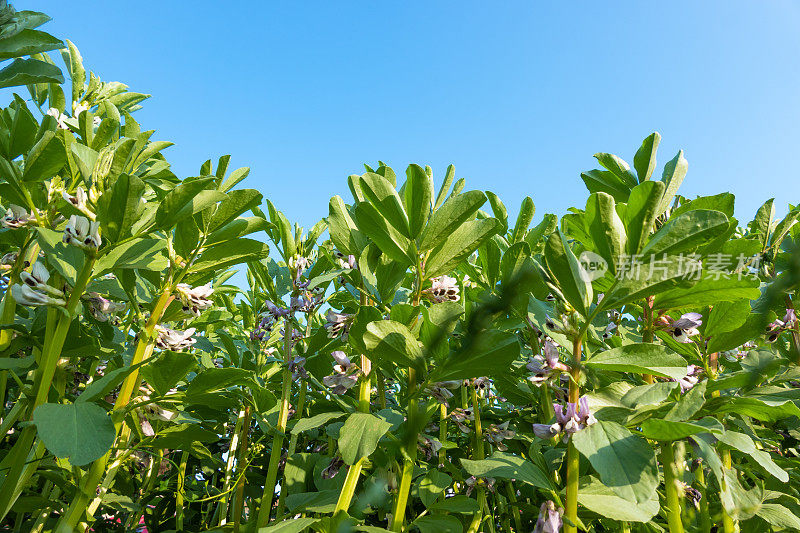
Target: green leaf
166,371
29,71
641,213
431,485
719,202
526,211
506,466
382,195
188,198
359,436
674,172
778,515
567,273
669,430
459,245
451,215
487,354
458,504
745,444
313,422
726,316
45,158
499,210
626,463
606,228
27,43
645,159
640,358
438,524
343,230
233,205
605,181
602,500
689,404
215,379
389,343
120,207
293,525
418,194
229,253
709,291
142,254
618,167
238,228
390,241
80,432
646,279
686,232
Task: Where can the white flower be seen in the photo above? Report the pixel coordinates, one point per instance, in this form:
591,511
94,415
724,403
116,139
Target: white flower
176,341
78,108
59,116
195,299
444,288
82,233
16,217
26,295
79,201
37,279
101,308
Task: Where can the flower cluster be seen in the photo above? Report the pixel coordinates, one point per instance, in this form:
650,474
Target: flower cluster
549,520
338,324
267,322
101,308
82,232
496,434
777,327
34,289
577,417
345,374
194,300
688,381
174,340
441,390
443,289
16,217
461,417
543,367
682,329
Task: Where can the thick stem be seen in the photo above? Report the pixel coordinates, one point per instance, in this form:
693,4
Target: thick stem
647,332
573,458
400,503
21,466
280,431
705,517
671,488
354,471
512,497
301,403
179,491
226,486
478,453
728,524
238,503
93,476
442,432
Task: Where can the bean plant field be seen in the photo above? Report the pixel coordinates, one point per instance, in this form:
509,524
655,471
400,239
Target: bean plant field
416,361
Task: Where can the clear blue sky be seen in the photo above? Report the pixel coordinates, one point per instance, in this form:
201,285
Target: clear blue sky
518,95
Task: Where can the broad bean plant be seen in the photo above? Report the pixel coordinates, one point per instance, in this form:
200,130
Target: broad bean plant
416,361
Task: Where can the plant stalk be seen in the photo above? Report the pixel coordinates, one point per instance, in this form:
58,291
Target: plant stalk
671,488
573,458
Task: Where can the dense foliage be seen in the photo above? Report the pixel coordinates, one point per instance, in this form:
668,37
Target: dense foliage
412,362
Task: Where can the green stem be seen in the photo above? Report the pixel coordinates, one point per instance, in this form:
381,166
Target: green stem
442,432
671,488
238,504
22,466
301,403
705,517
354,472
728,524
280,431
512,497
573,458
179,491
93,476
478,453
399,511
223,503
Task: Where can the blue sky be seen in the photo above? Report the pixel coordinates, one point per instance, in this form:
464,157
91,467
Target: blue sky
518,95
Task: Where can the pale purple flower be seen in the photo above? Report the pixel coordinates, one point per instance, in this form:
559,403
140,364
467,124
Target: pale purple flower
685,327
497,434
549,520
443,288
460,417
82,232
174,340
195,299
16,217
25,295
690,379
345,374
338,324
101,308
